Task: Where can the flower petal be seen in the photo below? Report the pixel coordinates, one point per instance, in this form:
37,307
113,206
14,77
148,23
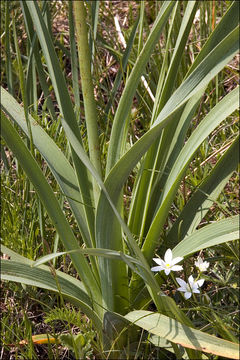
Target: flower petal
191,280
194,287
168,256
176,260
156,268
167,271
176,267
200,282
198,262
187,295
182,289
158,261
196,291
181,282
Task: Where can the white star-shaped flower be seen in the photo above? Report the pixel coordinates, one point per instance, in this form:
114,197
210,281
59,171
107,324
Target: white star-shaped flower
201,265
169,264
192,286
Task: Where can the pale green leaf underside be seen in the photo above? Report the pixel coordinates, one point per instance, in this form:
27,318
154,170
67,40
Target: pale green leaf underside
59,165
178,333
210,235
204,196
50,202
43,278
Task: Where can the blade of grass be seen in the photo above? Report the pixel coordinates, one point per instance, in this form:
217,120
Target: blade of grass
43,278
94,16
9,73
34,51
210,235
141,22
87,89
74,61
59,165
172,330
22,86
205,195
116,140
223,109
51,204
65,105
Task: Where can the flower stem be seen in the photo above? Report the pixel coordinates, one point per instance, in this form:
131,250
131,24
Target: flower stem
87,89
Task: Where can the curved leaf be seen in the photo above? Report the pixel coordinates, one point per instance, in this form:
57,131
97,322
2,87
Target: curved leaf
51,204
223,109
204,196
117,134
207,69
43,278
57,162
65,105
210,235
178,333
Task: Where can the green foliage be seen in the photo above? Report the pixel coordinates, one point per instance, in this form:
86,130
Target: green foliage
79,344
122,170
69,315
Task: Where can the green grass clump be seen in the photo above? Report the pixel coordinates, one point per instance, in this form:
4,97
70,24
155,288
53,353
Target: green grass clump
119,142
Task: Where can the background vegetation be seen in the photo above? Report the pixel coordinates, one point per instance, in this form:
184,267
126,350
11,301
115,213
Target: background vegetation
27,228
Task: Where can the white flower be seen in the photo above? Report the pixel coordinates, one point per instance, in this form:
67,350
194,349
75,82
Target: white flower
168,264
190,287
201,265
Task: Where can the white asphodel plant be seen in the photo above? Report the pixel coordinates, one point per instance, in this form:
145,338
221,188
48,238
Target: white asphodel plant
201,265
117,270
190,287
169,264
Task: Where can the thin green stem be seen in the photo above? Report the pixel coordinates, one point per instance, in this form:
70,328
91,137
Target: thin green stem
23,87
87,89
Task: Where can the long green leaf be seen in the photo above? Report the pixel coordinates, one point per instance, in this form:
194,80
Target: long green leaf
43,278
9,72
23,260
223,109
111,254
204,196
64,103
175,332
172,140
114,182
117,135
176,142
74,60
158,152
210,235
51,204
197,80
59,165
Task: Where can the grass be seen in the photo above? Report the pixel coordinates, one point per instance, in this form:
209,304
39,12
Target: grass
27,227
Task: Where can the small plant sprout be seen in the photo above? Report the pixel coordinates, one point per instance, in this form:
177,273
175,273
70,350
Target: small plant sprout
169,264
192,286
201,265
